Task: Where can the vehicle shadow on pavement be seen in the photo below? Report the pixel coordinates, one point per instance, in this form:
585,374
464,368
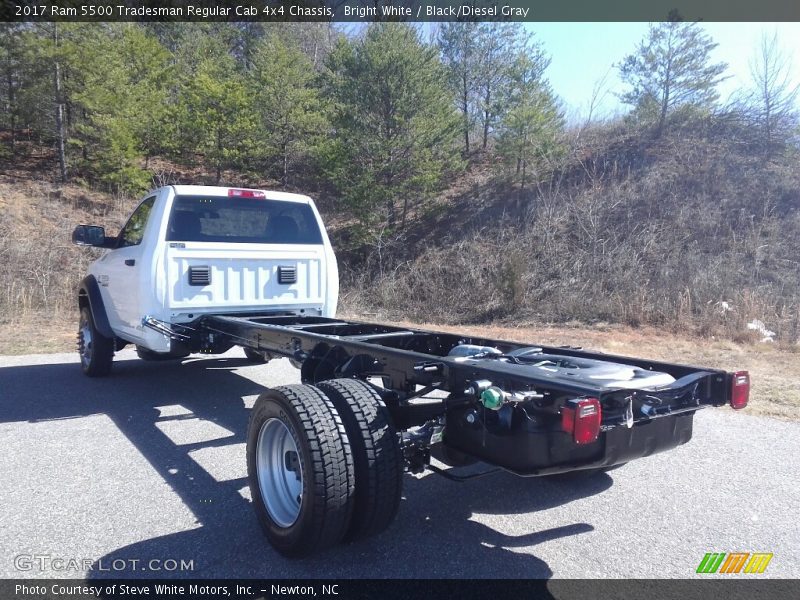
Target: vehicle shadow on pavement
436,533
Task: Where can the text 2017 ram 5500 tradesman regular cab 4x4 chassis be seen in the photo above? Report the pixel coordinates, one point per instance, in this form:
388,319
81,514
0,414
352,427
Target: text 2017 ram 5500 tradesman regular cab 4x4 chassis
201,269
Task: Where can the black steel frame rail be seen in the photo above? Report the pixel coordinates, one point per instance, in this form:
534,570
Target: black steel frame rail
411,357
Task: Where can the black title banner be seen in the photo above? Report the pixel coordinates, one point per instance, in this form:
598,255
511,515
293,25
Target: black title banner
405,589
400,10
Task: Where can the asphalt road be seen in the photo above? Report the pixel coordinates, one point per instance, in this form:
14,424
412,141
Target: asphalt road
101,477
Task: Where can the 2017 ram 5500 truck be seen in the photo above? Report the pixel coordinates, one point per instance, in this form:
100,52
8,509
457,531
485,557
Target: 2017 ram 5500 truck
201,269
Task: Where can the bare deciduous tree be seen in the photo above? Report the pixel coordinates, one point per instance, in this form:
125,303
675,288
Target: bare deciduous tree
773,101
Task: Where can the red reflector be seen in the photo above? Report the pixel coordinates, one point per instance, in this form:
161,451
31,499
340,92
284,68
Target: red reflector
568,419
246,194
740,389
582,419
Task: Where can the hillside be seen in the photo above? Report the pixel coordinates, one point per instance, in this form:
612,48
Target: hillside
664,257
694,232
690,233
39,266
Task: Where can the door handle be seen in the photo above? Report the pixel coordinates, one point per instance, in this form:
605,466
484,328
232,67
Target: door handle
130,262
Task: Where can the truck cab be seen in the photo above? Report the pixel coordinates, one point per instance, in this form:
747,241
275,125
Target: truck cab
187,250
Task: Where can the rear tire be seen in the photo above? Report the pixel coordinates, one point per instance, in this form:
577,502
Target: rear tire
377,456
300,470
96,351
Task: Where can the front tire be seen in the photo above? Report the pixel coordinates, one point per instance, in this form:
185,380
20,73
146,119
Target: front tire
300,470
96,351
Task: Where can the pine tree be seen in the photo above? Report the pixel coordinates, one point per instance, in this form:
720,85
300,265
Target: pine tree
498,44
29,75
394,121
107,118
11,66
148,69
671,68
213,108
458,45
530,128
290,113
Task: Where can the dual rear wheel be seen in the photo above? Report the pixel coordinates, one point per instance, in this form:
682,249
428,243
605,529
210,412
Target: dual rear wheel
324,465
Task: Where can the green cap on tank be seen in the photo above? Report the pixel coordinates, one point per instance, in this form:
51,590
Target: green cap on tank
492,398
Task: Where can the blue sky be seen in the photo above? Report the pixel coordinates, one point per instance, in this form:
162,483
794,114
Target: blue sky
583,53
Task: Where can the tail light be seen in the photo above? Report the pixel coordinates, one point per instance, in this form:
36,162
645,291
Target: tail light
740,389
581,417
232,193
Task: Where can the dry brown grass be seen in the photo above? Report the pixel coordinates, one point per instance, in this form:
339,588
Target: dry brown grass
38,333
39,266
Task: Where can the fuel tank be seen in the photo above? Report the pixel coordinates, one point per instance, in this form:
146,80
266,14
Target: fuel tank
538,364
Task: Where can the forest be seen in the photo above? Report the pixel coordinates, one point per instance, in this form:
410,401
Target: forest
455,187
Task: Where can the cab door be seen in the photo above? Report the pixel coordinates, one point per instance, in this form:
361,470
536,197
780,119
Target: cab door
124,267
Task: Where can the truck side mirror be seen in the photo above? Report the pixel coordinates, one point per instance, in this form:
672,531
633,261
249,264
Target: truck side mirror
89,235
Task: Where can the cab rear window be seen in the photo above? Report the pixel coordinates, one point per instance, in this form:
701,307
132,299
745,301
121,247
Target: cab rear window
242,221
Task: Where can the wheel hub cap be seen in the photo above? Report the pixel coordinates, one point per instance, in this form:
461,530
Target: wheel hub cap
85,343
280,477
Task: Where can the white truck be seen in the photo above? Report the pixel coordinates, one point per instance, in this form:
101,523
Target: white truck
187,251
202,269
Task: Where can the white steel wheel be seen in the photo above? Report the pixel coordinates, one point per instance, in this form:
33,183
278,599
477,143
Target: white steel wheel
85,341
280,477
